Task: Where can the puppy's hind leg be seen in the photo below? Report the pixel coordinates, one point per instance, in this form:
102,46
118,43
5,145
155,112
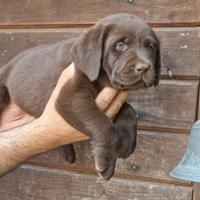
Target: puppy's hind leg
68,152
4,97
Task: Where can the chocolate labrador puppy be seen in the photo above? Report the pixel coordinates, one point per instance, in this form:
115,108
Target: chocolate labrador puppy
120,47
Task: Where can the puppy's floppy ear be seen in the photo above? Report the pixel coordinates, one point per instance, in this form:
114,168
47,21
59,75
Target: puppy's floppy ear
157,65
87,52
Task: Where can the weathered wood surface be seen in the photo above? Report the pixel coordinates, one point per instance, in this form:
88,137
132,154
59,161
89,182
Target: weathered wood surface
196,195
179,51
171,105
179,46
35,183
89,11
155,156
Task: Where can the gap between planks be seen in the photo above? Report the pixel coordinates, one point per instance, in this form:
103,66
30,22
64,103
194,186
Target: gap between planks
118,175
163,129
87,25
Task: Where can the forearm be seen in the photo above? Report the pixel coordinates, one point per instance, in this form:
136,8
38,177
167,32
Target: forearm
19,144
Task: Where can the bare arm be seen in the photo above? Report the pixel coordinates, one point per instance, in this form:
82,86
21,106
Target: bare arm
48,131
19,144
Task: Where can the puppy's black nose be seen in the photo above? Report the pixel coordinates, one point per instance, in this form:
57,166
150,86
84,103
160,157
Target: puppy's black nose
141,68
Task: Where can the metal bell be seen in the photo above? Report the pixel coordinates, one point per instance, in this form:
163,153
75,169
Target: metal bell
189,167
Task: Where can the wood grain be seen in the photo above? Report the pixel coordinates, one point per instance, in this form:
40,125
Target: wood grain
36,183
172,105
196,193
180,58
155,156
66,12
179,51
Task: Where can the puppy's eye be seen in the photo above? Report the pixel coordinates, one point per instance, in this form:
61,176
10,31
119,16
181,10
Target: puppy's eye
150,46
120,46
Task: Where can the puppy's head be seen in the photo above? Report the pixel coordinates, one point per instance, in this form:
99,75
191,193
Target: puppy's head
124,47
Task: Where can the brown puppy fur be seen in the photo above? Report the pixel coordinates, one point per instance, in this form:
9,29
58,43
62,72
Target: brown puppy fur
122,48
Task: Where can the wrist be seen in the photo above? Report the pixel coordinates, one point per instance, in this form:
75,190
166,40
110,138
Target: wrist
59,131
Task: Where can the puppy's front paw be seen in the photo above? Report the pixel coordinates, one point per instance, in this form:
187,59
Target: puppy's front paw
105,160
105,155
127,141
126,125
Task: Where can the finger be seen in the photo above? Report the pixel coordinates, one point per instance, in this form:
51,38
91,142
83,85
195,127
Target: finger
105,97
116,104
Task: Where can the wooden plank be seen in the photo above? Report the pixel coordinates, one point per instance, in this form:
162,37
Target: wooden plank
196,193
88,11
37,183
171,105
180,57
179,51
14,41
155,156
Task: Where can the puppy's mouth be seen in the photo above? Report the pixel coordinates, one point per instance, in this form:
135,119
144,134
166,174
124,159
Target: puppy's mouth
138,84
134,86
132,82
